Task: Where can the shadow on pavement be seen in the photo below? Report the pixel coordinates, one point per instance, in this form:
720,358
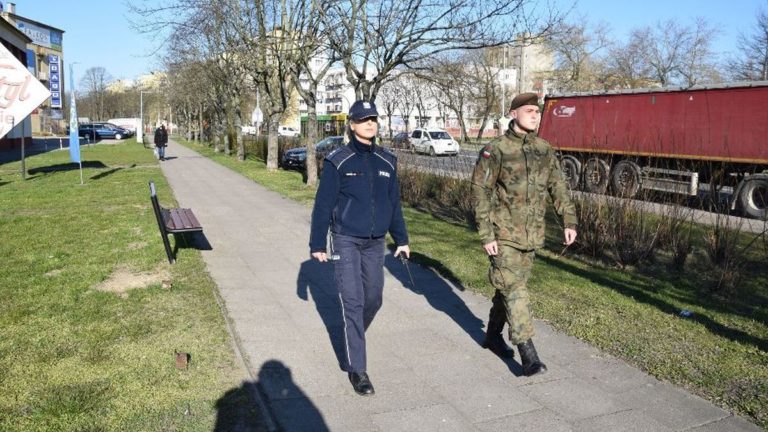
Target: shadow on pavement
439,294
315,279
442,297
290,407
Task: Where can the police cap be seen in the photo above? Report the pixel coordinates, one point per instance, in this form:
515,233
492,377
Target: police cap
362,109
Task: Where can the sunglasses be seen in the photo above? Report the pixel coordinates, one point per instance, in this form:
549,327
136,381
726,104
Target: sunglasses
367,119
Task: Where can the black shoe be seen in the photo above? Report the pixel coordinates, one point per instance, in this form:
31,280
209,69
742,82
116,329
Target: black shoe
495,343
361,383
530,359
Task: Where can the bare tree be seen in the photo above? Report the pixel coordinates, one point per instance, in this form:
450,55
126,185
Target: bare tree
752,62
675,53
486,88
95,82
577,49
373,38
626,66
453,83
308,59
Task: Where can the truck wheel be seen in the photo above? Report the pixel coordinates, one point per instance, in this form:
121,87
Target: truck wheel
754,197
625,179
431,151
595,176
572,171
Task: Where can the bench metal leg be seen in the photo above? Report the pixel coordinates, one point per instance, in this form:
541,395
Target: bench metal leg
167,245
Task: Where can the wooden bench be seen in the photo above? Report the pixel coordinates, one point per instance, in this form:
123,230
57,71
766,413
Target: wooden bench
172,221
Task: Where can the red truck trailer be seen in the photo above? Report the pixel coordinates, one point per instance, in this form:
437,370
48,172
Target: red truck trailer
675,140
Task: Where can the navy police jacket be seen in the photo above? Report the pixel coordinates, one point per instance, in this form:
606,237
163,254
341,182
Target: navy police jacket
358,196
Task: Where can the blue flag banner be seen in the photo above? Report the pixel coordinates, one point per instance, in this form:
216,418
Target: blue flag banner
74,137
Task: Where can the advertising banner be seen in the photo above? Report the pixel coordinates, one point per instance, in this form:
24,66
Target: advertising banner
21,92
54,84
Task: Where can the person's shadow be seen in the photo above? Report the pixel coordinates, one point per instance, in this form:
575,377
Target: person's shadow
315,280
289,409
237,410
440,295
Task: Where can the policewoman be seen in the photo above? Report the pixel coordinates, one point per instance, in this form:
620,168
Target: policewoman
359,201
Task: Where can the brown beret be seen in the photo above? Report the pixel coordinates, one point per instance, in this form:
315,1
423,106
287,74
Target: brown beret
524,99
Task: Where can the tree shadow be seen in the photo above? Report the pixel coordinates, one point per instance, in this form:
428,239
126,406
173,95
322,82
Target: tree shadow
109,172
69,166
289,406
315,279
638,293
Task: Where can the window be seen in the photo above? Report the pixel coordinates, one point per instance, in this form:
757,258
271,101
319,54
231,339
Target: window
439,135
416,134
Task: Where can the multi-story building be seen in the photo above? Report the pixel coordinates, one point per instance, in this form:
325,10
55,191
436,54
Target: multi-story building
525,66
45,60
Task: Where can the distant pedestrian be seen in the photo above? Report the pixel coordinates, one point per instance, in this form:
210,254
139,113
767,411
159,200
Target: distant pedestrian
359,200
161,141
513,176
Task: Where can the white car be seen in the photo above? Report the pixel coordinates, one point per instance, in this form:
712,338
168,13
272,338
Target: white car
287,131
434,142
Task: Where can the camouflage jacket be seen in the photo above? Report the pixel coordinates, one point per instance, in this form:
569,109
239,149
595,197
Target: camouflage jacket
510,183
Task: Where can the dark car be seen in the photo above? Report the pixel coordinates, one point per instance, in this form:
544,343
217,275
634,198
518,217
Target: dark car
402,140
98,130
296,158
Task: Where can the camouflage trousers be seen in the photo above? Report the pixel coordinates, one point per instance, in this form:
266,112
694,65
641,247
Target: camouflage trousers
509,274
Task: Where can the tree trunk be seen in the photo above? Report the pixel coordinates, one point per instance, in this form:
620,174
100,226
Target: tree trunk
239,133
272,145
310,141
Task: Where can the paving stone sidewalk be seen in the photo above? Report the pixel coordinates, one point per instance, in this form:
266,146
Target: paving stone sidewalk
425,359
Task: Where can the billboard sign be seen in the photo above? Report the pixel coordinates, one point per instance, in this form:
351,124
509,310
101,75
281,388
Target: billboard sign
20,92
42,36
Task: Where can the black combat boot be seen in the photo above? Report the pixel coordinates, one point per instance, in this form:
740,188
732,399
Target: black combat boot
530,359
494,341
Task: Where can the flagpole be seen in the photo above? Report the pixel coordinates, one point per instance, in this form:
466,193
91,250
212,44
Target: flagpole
23,161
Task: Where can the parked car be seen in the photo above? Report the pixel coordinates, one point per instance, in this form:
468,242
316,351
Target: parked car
130,124
296,158
287,131
434,142
98,130
401,140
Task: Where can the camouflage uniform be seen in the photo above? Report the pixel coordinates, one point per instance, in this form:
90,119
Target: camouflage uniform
510,183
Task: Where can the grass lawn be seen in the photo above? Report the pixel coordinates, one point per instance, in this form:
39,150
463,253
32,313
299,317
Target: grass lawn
720,352
88,330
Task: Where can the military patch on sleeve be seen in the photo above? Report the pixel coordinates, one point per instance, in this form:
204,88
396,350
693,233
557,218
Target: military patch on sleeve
486,153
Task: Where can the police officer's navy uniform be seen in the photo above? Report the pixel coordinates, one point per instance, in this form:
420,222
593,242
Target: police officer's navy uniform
359,200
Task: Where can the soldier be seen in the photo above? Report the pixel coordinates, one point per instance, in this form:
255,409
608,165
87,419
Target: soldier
510,183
